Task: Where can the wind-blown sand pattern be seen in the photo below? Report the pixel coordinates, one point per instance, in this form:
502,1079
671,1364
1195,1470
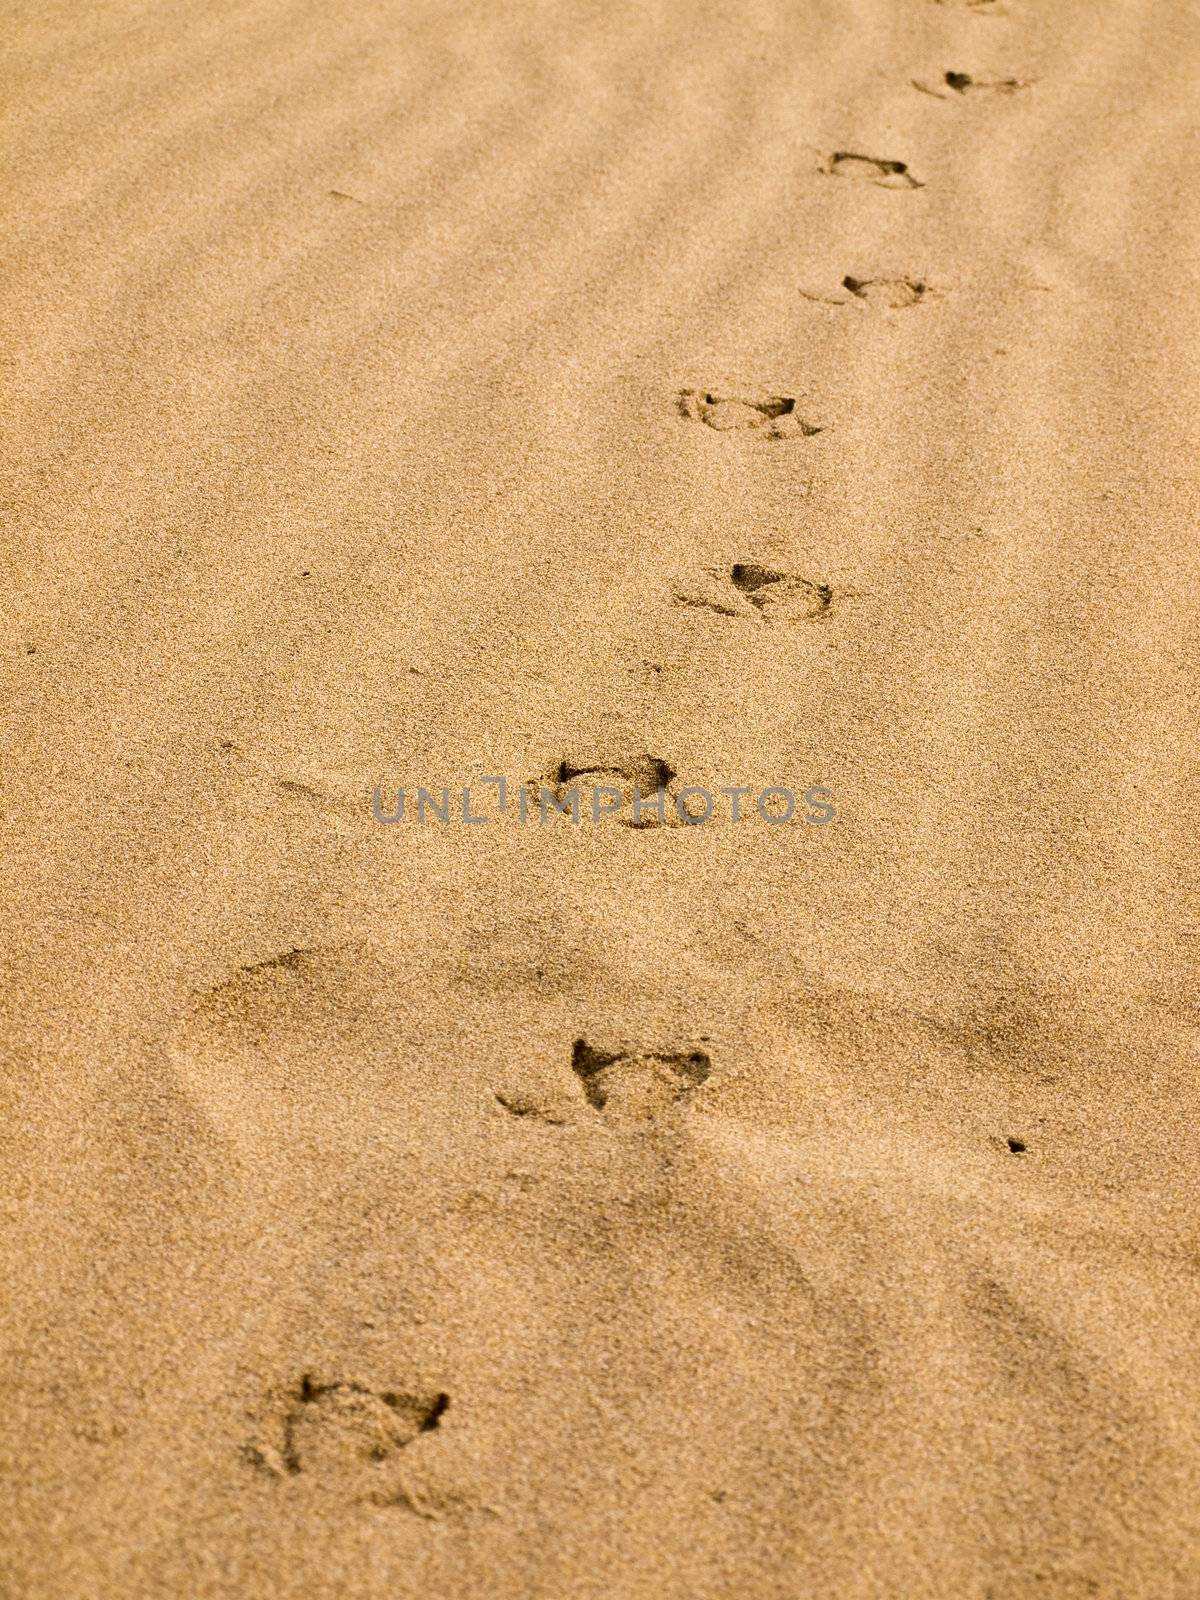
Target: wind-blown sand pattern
397,394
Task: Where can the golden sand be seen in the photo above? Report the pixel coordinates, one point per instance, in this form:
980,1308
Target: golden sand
765,395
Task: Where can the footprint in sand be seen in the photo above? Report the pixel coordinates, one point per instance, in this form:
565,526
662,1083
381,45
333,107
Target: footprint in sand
522,1105
962,83
632,1084
769,416
894,293
884,293
780,596
748,588
345,1435
878,170
594,785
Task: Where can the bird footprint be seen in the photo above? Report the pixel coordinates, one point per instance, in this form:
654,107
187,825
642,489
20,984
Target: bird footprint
345,1433
776,596
885,173
962,83
771,416
636,1084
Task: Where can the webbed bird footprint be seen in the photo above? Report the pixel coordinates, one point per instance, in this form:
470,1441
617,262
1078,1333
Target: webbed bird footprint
604,784
748,587
879,170
771,416
889,293
633,1084
344,1433
780,596
895,293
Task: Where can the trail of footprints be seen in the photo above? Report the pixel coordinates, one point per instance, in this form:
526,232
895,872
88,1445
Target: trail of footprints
345,1434
637,1083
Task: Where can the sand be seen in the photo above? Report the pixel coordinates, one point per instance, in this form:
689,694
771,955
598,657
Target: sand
398,395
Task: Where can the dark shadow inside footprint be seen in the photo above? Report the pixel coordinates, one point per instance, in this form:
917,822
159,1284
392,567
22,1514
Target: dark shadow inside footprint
649,773
644,1082
606,786
780,595
962,82
894,293
776,406
773,416
520,1105
871,169
749,577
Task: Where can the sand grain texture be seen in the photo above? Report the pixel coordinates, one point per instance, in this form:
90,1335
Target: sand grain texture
392,394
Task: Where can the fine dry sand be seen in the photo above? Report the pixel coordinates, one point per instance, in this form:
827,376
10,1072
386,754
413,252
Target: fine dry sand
754,1211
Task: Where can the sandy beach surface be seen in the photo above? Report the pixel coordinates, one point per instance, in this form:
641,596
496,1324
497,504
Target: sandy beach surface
796,396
